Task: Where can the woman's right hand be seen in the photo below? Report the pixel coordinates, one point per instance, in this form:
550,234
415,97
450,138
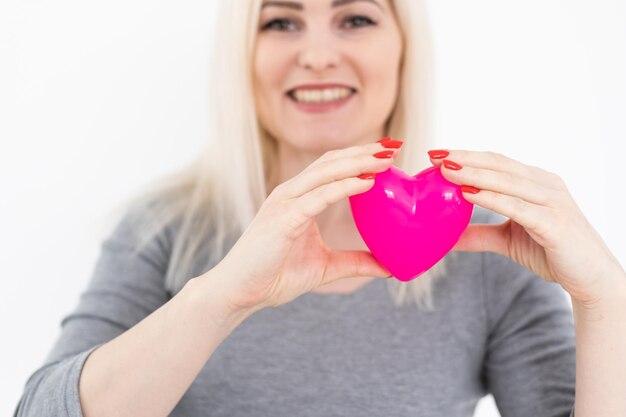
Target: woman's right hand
281,255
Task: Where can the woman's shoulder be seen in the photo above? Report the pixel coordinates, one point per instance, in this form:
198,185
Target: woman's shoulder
145,227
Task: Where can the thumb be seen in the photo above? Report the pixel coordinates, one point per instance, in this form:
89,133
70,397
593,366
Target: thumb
483,238
352,263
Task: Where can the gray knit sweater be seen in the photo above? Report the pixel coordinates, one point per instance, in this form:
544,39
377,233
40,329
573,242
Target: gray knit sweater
496,328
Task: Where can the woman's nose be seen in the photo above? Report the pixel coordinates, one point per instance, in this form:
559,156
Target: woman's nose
318,53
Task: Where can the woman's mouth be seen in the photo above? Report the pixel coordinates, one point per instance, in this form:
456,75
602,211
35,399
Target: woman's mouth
320,99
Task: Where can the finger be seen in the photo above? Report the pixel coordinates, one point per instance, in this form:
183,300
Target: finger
498,162
503,182
531,216
337,169
484,238
316,201
370,148
352,263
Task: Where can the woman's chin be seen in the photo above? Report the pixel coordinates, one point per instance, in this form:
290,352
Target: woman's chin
321,141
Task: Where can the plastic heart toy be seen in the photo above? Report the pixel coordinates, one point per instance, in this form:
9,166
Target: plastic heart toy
410,222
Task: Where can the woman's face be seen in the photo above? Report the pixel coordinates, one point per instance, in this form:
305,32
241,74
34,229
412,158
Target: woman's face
326,71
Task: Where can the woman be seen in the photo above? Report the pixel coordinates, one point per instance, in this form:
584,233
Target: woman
219,293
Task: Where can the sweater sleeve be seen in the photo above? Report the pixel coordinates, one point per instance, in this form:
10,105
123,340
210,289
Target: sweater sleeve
125,287
529,364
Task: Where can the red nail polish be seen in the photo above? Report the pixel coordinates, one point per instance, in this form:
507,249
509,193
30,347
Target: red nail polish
393,144
451,165
438,153
367,176
383,154
469,189
383,140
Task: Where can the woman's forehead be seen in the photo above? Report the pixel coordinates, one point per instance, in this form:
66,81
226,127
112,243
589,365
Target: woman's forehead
300,5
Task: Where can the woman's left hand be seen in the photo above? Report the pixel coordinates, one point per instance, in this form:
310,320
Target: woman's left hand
546,231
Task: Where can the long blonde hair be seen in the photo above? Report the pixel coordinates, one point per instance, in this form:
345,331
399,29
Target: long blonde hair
211,209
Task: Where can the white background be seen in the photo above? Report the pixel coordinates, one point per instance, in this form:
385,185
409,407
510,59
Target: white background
99,98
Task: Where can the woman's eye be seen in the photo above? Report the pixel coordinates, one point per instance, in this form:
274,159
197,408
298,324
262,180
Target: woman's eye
364,21
279,24
282,24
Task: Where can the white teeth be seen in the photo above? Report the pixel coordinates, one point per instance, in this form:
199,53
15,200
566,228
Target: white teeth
321,95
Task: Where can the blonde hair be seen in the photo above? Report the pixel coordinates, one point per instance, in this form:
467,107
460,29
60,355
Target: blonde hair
213,209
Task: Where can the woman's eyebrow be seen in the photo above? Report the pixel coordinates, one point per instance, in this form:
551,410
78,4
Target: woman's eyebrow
337,3
288,4
300,6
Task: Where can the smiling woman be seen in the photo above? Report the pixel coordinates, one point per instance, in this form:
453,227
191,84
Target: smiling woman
298,79
240,285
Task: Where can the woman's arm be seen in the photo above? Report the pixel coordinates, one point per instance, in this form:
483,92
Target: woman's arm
131,341
146,370
127,319
600,353
547,233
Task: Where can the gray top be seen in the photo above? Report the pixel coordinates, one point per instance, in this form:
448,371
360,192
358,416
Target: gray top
497,328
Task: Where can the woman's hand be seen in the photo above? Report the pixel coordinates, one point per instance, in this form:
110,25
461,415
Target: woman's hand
281,255
546,231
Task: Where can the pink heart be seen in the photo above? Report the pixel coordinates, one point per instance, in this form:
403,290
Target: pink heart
410,222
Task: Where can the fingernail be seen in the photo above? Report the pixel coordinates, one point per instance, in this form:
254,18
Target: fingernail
469,189
383,154
383,140
438,153
451,165
367,176
393,144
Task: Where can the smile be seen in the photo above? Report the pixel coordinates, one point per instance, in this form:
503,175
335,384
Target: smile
320,95
320,100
